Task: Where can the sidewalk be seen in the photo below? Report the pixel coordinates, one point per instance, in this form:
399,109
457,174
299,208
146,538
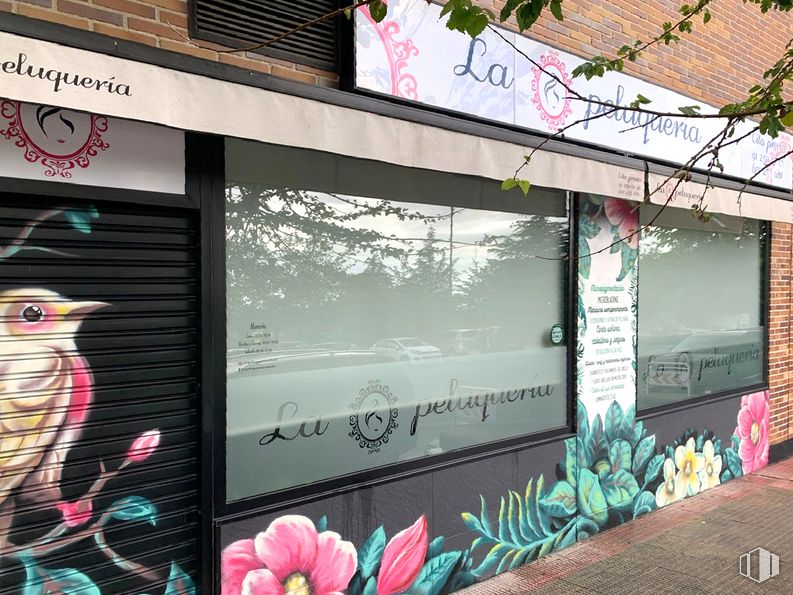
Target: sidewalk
692,546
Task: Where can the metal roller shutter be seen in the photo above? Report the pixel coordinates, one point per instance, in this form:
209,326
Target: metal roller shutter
122,397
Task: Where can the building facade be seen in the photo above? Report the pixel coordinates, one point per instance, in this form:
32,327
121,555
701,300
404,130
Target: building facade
271,324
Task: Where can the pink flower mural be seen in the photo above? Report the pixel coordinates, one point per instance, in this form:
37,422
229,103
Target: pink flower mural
753,431
403,558
625,217
291,556
144,446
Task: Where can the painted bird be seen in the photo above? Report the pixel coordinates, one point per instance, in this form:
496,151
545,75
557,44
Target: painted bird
45,389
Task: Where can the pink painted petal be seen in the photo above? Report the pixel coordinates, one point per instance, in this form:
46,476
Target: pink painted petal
757,406
745,422
746,451
236,562
403,558
616,210
288,545
334,565
261,582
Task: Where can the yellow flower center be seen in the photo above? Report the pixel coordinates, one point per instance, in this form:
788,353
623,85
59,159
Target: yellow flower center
670,487
297,584
755,434
687,466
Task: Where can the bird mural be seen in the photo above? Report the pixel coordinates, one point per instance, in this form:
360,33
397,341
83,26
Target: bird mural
46,389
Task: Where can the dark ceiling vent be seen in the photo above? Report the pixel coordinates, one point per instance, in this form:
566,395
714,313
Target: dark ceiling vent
240,23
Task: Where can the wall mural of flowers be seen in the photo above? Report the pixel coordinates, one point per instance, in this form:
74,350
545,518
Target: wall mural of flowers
46,396
612,471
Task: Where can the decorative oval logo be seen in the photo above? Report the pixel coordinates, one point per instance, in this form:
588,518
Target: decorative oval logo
374,417
59,139
549,95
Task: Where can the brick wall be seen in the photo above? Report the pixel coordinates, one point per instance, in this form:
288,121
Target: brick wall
779,331
717,63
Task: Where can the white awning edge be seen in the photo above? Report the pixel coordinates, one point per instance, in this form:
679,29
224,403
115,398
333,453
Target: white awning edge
30,70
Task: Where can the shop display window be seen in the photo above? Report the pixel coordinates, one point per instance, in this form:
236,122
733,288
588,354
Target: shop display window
378,315
701,326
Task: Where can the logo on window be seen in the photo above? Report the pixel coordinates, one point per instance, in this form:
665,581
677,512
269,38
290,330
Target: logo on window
374,417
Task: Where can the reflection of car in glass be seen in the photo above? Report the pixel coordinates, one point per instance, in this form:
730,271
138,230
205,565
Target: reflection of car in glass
707,362
461,341
335,346
407,349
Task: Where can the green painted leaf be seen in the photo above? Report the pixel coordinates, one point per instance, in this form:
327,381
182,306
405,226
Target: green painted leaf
585,527
644,503
133,508
644,452
602,468
435,573
80,218
597,442
628,256
613,421
561,501
620,455
515,514
700,442
68,580
587,227
583,455
638,432
726,476
503,521
620,488
322,524
627,425
584,258
653,469
734,462
371,552
470,521
583,420
371,586
591,500
569,465
179,583
484,518
33,582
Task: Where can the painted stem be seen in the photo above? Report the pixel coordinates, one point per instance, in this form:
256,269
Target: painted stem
17,243
120,561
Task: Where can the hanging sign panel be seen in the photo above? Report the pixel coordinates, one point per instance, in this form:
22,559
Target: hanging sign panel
44,142
506,77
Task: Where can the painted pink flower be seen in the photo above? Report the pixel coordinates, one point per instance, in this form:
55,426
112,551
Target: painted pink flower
403,558
144,446
622,214
753,431
76,513
289,558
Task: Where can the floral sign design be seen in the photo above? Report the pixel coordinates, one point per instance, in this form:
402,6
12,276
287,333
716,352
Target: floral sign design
46,394
59,139
612,472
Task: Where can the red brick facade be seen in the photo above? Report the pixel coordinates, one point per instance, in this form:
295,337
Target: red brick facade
716,64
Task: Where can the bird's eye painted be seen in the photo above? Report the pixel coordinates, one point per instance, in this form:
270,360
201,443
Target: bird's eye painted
32,314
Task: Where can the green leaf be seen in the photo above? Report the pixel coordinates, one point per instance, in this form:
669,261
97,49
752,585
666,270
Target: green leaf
620,455
569,465
628,424
628,255
583,419
434,574
619,489
642,99
561,501
584,257
80,218
689,110
653,469
644,503
734,462
706,17
435,547
787,119
133,508
613,421
371,552
69,582
378,9
476,24
588,227
322,524
591,500
509,184
470,521
524,185
371,586
597,443
179,582
644,452
556,9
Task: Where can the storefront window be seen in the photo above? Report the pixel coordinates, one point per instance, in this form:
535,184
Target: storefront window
700,306
378,315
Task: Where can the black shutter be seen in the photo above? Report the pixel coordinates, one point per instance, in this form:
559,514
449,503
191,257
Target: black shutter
141,350
241,23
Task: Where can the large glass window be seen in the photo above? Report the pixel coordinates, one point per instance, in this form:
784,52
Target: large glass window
700,306
377,315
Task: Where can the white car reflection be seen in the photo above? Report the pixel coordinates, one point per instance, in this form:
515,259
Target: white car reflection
407,349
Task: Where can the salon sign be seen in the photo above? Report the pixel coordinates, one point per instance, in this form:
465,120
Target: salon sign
412,55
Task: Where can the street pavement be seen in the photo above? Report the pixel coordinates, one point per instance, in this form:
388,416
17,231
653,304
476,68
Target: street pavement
692,546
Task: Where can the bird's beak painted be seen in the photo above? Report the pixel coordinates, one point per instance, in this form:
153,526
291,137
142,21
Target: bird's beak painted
78,310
